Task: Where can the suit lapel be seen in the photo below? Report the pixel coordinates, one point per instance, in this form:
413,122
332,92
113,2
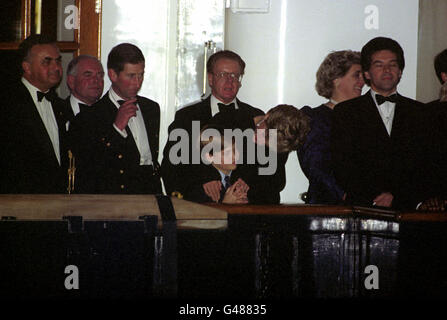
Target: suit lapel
152,135
33,121
62,113
69,110
400,115
205,111
147,116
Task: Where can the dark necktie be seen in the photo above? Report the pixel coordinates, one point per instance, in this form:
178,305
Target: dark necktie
120,102
50,95
381,99
225,185
225,107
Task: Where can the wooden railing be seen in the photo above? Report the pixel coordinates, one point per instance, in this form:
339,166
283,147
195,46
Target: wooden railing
304,209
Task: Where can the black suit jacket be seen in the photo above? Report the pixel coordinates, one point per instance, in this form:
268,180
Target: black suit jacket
109,163
367,161
207,173
29,164
179,177
435,149
69,117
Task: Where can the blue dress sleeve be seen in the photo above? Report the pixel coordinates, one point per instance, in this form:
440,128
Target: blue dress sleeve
315,159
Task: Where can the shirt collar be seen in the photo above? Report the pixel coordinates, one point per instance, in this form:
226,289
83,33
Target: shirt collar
74,102
223,175
32,89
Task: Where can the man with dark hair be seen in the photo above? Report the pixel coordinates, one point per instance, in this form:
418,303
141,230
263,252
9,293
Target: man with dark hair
437,146
376,137
225,70
117,140
441,66
32,127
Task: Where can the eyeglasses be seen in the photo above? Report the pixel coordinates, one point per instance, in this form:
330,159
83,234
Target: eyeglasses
234,77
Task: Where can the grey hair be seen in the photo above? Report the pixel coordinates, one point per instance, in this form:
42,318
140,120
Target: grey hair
72,66
335,65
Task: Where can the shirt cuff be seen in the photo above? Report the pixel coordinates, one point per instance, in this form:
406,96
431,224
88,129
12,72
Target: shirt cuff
123,133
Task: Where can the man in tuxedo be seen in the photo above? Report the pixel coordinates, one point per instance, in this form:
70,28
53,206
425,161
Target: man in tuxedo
225,70
116,142
437,146
85,79
376,137
32,131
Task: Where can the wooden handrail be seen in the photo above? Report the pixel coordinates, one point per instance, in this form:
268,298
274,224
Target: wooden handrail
325,210
132,206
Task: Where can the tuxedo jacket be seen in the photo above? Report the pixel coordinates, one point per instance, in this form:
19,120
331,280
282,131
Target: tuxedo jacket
262,189
179,177
315,158
367,161
69,118
29,164
176,177
436,149
108,162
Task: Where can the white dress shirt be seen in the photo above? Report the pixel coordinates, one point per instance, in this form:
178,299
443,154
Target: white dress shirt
386,111
215,108
74,102
138,130
47,116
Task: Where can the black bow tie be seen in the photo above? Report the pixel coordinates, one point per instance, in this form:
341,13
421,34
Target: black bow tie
50,95
381,99
226,107
82,107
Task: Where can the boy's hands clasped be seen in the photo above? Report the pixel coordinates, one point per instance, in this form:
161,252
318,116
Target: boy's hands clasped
236,193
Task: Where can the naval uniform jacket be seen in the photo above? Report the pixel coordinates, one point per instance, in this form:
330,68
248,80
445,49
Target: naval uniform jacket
110,162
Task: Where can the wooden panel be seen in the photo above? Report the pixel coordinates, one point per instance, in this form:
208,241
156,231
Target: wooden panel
90,27
100,207
67,46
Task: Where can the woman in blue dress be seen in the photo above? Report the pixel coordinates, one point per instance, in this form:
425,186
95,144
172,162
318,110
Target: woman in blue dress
339,78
